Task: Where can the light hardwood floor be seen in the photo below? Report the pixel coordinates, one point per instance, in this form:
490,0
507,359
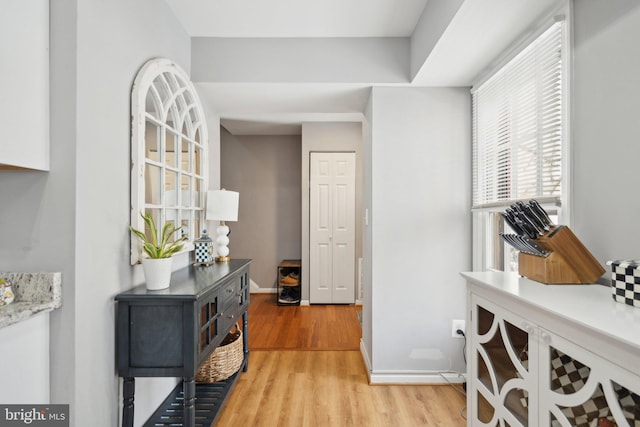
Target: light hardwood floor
315,327
294,388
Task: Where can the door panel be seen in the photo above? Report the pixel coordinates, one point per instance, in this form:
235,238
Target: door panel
343,270
324,253
341,221
323,209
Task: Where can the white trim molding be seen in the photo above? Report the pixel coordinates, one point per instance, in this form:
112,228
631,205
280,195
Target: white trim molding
389,377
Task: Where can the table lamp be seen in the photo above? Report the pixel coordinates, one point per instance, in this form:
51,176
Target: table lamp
222,205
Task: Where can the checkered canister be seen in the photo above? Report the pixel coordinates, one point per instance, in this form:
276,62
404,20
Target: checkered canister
203,249
625,281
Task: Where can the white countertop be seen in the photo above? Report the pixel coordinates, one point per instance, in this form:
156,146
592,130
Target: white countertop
34,293
591,306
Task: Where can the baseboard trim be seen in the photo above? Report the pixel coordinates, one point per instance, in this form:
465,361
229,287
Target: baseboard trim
408,377
365,359
418,378
274,291
263,290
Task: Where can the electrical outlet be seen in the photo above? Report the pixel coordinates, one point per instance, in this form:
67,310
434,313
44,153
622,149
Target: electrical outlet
455,325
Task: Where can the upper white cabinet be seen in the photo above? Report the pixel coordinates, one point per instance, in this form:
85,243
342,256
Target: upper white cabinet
24,84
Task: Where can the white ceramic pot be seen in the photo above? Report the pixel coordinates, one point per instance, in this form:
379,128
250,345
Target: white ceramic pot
157,272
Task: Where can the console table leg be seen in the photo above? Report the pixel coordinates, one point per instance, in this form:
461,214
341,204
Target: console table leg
245,339
128,390
189,391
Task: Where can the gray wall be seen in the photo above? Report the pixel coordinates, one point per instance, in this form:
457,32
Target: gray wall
433,22
265,170
24,120
308,59
418,174
114,39
367,238
606,128
74,218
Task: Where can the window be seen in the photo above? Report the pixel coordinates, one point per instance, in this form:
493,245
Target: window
168,151
519,141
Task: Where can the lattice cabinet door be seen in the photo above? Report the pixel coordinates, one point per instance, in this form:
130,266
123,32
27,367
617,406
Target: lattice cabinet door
579,388
503,369
209,327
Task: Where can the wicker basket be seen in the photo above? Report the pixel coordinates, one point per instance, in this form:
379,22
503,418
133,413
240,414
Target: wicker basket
225,360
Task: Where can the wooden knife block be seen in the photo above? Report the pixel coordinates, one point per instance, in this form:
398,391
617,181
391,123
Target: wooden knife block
568,262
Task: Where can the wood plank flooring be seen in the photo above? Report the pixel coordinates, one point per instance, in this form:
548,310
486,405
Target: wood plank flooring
330,389
315,327
290,383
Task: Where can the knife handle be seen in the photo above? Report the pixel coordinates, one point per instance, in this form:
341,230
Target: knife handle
529,230
530,227
537,208
533,216
509,219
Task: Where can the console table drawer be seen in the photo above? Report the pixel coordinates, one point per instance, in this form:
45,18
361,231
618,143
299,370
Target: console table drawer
234,298
229,292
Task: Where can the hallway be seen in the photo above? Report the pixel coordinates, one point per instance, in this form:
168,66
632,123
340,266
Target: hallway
313,327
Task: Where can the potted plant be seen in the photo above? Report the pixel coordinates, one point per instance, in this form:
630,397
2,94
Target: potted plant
157,266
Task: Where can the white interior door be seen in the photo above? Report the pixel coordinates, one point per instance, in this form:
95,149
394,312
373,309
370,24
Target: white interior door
332,228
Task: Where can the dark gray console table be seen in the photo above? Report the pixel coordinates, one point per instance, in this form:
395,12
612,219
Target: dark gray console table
171,332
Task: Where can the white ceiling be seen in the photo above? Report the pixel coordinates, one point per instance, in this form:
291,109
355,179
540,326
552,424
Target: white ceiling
478,33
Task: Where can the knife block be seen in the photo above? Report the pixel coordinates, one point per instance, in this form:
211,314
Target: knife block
568,262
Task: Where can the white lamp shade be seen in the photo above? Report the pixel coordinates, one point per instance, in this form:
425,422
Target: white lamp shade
222,205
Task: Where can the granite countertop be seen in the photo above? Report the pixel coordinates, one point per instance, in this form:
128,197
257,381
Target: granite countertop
34,293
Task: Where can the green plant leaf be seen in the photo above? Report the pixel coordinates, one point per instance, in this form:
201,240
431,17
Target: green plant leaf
162,248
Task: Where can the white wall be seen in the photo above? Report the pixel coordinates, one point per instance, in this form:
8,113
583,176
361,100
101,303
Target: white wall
419,220
606,128
329,136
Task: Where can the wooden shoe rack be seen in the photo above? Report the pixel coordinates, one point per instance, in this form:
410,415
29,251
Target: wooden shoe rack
289,290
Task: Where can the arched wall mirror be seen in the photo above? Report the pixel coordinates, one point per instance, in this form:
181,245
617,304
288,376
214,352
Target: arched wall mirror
169,151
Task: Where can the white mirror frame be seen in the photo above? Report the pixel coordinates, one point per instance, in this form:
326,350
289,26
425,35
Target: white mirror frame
164,88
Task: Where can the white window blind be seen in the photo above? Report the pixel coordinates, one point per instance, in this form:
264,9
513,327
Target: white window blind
518,117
